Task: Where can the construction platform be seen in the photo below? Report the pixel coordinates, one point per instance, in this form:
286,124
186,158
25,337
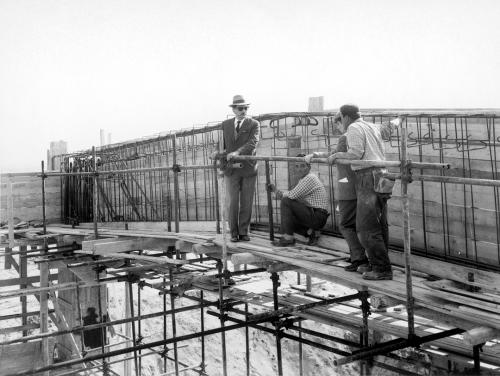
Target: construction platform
454,314
139,222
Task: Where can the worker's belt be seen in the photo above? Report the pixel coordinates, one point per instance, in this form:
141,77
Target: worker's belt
322,211
365,171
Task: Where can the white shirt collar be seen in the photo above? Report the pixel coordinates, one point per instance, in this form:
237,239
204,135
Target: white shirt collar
236,121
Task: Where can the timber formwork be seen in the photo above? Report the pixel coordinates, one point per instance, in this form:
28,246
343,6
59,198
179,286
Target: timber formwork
447,321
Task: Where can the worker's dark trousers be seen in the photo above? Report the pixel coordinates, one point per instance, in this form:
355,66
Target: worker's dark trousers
371,221
239,199
347,211
298,217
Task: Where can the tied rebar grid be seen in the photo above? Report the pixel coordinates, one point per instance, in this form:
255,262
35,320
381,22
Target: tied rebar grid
135,193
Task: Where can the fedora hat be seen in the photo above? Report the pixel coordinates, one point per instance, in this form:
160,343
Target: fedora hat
238,100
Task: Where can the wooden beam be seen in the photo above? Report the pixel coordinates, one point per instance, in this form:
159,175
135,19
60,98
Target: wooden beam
108,246
24,328
18,315
24,281
446,270
482,334
205,249
155,260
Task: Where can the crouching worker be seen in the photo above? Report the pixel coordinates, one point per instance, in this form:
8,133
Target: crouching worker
304,209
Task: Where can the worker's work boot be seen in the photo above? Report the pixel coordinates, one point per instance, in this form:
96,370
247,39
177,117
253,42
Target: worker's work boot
353,267
283,242
364,268
313,238
376,276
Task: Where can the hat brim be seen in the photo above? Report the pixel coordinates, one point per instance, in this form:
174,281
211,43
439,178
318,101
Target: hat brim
239,104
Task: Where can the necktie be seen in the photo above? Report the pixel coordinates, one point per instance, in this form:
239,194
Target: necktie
238,126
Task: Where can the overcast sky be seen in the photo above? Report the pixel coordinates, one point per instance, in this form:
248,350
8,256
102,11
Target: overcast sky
137,68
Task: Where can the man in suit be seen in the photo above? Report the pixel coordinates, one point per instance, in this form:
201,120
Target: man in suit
241,135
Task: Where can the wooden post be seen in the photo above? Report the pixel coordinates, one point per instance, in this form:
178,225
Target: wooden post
10,208
44,308
127,367
23,274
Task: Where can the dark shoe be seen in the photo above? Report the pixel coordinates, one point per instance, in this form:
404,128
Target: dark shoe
313,238
244,238
283,242
377,276
354,265
234,239
364,268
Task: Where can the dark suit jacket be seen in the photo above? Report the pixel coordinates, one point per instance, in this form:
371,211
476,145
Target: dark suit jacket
245,143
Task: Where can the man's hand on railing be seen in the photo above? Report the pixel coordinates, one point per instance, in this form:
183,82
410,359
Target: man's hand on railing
308,158
231,155
332,158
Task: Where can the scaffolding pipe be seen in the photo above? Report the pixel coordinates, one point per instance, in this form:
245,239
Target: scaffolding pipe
396,344
221,309
105,324
110,354
277,331
94,192
269,202
405,203
174,324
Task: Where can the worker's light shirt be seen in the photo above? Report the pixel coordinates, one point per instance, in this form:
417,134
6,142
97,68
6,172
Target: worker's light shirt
364,140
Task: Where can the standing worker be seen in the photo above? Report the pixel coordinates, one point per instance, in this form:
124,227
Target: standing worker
365,142
347,202
241,135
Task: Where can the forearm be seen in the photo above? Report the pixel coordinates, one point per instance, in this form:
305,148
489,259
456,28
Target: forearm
345,155
321,154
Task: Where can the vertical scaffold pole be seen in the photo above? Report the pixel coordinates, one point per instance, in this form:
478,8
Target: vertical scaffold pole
174,324
275,278
363,337
165,349
101,317
217,201
301,358
176,182
94,193
44,282
221,309
269,201
202,319
247,343
23,273
134,342
405,180
139,325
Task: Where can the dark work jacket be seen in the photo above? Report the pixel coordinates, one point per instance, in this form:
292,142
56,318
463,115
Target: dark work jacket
345,191
245,142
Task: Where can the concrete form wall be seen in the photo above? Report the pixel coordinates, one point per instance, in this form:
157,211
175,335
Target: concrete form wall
27,198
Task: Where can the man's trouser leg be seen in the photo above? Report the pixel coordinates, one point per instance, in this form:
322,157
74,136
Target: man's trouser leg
371,222
233,202
347,211
298,217
247,192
